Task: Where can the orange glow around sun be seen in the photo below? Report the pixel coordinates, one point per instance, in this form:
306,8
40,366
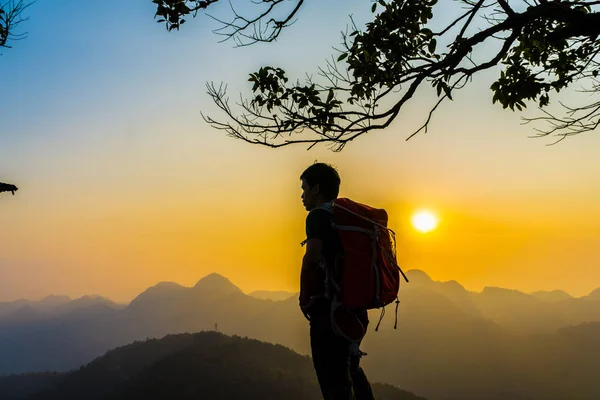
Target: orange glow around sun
424,221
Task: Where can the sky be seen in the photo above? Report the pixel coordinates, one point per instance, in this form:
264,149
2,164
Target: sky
123,185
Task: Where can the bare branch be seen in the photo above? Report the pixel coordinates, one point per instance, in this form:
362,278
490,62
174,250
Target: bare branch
265,26
11,16
507,9
542,47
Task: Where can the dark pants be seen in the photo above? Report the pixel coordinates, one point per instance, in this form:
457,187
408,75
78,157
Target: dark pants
338,371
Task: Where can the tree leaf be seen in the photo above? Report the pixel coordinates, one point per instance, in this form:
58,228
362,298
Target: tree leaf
342,56
431,46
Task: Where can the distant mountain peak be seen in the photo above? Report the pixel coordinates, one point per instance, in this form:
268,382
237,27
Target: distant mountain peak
551,296
159,292
418,276
595,294
217,283
87,297
168,285
56,297
500,291
455,284
92,299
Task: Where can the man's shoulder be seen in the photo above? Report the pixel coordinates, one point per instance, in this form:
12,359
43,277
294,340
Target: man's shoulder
318,224
322,211
319,214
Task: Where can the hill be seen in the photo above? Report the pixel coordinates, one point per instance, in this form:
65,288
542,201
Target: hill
450,343
192,366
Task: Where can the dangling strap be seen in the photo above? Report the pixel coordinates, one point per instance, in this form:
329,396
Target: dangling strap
355,349
397,304
380,318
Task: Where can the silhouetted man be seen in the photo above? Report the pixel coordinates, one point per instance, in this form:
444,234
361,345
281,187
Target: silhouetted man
336,364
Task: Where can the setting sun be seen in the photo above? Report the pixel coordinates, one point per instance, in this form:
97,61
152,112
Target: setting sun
424,221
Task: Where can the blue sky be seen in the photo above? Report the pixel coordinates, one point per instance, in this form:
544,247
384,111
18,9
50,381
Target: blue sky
100,127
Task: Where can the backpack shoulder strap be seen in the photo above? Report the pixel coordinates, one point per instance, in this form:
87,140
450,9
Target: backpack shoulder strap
325,206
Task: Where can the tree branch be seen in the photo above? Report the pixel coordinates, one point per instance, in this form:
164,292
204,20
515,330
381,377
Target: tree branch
544,48
6,187
11,16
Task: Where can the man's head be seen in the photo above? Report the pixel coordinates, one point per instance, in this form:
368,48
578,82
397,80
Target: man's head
320,184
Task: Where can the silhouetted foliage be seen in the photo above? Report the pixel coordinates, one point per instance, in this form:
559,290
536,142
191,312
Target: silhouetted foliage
11,16
6,187
206,365
540,47
264,26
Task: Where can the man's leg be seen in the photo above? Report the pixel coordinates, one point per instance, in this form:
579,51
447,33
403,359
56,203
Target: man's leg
331,359
339,364
362,387
360,383
318,348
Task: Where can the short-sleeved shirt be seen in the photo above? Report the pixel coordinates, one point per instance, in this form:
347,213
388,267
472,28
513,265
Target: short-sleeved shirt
319,226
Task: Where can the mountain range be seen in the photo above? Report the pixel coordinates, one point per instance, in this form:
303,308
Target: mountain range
276,295
450,343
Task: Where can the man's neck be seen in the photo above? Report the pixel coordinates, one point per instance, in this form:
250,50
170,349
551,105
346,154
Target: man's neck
321,202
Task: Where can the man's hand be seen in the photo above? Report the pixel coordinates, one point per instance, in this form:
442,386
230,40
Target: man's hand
305,313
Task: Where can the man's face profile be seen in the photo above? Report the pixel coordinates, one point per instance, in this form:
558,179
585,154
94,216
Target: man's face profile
309,195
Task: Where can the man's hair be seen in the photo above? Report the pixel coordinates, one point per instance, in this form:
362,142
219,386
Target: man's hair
326,177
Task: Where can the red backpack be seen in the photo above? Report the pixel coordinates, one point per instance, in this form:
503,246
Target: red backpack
366,274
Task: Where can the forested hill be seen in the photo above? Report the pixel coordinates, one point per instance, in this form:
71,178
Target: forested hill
206,365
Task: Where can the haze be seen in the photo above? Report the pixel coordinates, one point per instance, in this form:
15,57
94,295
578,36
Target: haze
123,185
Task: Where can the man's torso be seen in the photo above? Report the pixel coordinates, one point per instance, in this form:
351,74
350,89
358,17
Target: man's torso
319,226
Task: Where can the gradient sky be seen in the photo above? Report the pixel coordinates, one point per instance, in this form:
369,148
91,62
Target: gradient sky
123,185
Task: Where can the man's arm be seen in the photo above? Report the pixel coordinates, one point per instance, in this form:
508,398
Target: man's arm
309,275
310,269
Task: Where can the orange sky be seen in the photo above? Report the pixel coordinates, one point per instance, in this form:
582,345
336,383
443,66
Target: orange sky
118,236
123,185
